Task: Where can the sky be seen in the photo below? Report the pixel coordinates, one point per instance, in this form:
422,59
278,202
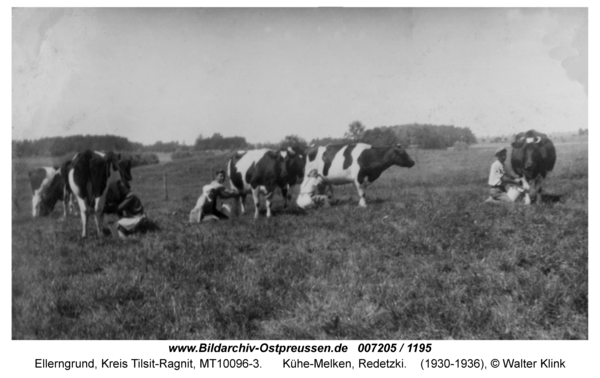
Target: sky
172,74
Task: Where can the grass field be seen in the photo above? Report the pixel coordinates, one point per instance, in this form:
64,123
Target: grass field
427,259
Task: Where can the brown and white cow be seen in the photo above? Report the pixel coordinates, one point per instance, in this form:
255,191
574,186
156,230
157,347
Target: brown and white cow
533,156
90,176
262,171
46,185
356,163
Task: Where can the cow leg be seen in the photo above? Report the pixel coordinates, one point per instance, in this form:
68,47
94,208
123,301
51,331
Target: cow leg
84,213
361,193
255,197
66,201
268,197
72,202
538,188
331,191
526,197
99,215
288,198
35,204
242,202
284,194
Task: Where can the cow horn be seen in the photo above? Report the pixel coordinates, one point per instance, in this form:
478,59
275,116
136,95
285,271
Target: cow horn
538,139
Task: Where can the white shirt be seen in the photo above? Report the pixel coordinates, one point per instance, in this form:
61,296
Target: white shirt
496,173
310,185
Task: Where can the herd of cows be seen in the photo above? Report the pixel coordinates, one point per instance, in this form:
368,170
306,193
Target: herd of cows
87,176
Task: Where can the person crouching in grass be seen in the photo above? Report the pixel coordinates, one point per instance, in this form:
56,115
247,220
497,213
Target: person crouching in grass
499,179
312,191
128,207
206,208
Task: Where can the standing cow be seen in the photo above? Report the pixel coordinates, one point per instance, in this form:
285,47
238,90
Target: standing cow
90,176
533,156
46,184
357,163
294,166
262,171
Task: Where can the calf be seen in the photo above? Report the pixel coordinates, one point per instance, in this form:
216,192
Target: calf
90,176
260,171
357,163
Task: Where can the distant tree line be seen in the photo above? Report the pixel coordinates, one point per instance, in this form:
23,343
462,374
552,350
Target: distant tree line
219,142
59,146
163,147
424,136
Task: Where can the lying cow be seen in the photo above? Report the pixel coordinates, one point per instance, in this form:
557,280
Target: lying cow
356,163
46,185
262,171
90,176
532,157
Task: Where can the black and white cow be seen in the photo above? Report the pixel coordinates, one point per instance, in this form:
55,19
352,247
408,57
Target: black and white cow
90,176
46,184
262,171
533,156
294,166
69,197
356,163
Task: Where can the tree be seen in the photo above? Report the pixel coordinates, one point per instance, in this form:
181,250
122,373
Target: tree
379,136
293,141
355,131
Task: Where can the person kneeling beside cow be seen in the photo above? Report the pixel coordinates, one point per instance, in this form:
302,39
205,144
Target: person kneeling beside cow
206,208
503,186
128,207
312,191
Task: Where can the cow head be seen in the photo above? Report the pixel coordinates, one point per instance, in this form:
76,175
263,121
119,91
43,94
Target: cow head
279,160
533,154
294,161
125,168
400,157
114,172
118,168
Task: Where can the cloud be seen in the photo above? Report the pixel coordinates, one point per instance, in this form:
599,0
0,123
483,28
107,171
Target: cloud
568,43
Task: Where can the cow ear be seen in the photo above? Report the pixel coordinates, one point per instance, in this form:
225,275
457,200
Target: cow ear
518,143
543,141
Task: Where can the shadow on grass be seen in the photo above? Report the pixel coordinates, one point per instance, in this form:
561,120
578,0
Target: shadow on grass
551,198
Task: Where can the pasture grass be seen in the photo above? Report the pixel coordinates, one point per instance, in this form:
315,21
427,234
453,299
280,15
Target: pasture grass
427,259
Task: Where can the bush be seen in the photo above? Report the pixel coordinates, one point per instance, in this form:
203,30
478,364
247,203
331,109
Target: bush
460,146
141,158
182,154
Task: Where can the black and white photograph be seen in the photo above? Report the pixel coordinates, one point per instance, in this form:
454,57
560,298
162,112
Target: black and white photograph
325,174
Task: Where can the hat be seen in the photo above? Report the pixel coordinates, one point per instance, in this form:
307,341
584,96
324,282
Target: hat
500,149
